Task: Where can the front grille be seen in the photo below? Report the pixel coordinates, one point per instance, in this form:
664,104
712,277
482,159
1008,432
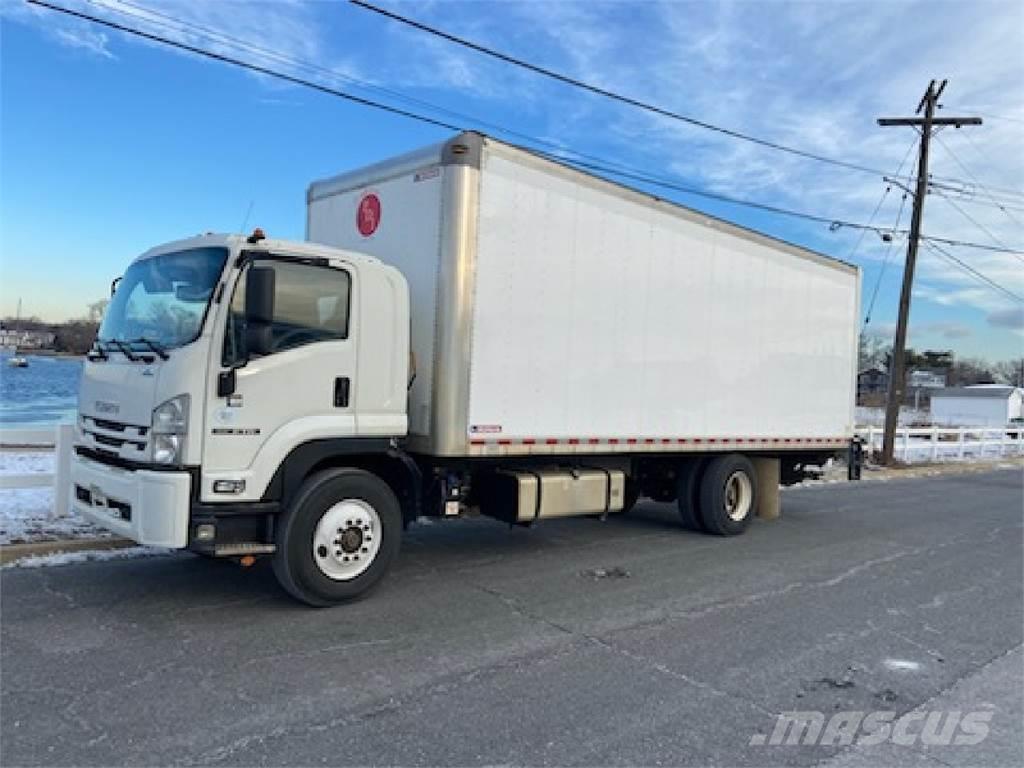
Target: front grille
114,442
112,436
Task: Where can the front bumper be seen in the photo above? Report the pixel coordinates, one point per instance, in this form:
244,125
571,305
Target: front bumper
147,506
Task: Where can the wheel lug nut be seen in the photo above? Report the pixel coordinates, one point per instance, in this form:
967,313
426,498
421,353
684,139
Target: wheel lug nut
365,549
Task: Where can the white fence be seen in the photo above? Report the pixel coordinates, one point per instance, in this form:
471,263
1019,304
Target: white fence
919,444
58,438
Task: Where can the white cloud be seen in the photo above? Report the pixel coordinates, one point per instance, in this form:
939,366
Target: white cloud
85,39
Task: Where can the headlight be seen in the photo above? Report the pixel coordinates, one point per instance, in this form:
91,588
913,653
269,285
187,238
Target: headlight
170,425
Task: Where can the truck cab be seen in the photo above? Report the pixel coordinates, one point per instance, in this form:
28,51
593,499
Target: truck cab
225,369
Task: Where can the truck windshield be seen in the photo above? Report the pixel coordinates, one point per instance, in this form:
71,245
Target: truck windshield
162,300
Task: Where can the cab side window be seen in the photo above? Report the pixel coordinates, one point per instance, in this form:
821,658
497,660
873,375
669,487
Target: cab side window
311,304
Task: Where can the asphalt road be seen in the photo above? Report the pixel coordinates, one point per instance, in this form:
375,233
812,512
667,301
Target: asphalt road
490,646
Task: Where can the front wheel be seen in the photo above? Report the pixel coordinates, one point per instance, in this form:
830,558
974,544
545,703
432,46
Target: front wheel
338,537
728,494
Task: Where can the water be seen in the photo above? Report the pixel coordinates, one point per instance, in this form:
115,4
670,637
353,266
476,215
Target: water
43,394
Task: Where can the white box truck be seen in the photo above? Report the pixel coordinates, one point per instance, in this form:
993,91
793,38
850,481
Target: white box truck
469,329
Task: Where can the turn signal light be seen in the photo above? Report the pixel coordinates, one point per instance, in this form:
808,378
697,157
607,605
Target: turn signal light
228,486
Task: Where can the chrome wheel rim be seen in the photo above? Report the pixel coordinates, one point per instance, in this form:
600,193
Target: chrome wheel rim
347,539
739,495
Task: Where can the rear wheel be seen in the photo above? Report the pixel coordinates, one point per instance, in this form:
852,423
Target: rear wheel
688,495
728,494
338,537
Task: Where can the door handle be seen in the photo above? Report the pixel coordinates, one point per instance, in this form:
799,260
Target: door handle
341,389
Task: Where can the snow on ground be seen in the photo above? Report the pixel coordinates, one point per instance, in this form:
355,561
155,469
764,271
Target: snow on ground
73,558
25,512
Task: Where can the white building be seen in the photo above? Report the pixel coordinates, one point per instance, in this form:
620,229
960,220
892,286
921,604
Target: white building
924,379
983,405
11,338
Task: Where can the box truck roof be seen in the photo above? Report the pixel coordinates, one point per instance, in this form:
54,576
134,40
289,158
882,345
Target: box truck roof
467,149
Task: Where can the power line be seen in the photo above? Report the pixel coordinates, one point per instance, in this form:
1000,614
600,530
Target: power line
613,95
885,263
181,25
624,170
980,226
243,64
963,198
871,218
998,117
971,270
599,166
981,186
968,244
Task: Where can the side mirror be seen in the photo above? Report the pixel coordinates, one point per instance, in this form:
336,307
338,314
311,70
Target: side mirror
259,310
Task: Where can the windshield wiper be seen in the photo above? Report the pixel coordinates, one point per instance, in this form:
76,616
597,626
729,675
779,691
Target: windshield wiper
126,349
158,348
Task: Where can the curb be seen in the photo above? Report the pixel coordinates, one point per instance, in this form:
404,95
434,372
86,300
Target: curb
10,553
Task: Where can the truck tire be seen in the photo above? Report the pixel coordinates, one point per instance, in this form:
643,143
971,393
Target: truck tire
728,494
688,494
338,537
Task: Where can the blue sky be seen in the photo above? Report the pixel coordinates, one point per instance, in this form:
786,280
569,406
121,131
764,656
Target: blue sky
109,145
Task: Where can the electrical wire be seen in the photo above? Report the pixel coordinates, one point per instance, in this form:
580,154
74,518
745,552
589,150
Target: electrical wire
602,166
971,270
885,194
981,186
885,263
239,63
560,149
613,95
979,225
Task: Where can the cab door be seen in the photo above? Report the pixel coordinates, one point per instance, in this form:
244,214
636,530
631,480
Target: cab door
302,388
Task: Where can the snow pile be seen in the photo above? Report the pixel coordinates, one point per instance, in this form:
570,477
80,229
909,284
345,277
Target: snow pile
25,512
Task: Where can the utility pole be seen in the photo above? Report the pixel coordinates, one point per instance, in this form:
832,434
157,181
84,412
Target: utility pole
929,103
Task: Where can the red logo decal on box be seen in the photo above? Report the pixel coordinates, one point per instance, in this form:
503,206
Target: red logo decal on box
368,215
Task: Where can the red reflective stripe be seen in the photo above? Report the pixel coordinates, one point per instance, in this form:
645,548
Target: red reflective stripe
654,440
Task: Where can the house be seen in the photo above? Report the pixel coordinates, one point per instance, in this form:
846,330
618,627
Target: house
11,338
982,405
872,381
923,378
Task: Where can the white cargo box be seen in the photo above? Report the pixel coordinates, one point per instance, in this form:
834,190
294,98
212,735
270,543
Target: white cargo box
556,312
